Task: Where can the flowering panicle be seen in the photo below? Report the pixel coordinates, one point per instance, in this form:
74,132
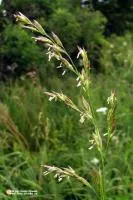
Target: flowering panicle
63,98
92,144
83,54
61,173
22,18
111,116
53,44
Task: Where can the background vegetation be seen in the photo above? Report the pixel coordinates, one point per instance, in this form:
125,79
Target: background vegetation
54,133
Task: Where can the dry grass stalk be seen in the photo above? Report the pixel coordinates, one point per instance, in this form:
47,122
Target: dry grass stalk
6,120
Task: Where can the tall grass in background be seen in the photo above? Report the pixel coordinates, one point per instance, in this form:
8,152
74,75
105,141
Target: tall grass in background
63,142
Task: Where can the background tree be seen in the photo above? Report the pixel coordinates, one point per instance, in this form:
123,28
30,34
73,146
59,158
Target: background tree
89,27
118,13
74,25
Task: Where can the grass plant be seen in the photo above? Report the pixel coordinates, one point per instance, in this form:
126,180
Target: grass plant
99,140
84,147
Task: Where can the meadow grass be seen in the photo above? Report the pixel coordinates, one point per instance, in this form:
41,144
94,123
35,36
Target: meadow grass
61,141
57,137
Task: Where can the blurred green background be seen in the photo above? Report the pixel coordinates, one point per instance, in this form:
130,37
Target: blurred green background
52,131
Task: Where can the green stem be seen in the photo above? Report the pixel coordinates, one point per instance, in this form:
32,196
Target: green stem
102,177
100,149
75,69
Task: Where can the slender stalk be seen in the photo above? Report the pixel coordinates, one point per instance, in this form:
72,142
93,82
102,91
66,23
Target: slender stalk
101,152
102,185
57,50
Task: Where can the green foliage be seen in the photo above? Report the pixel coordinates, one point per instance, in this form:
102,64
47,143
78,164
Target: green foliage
52,131
68,4
92,32
19,48
117,172
118,13
117,55
92,25
53,135
37,8
64,24
74,25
